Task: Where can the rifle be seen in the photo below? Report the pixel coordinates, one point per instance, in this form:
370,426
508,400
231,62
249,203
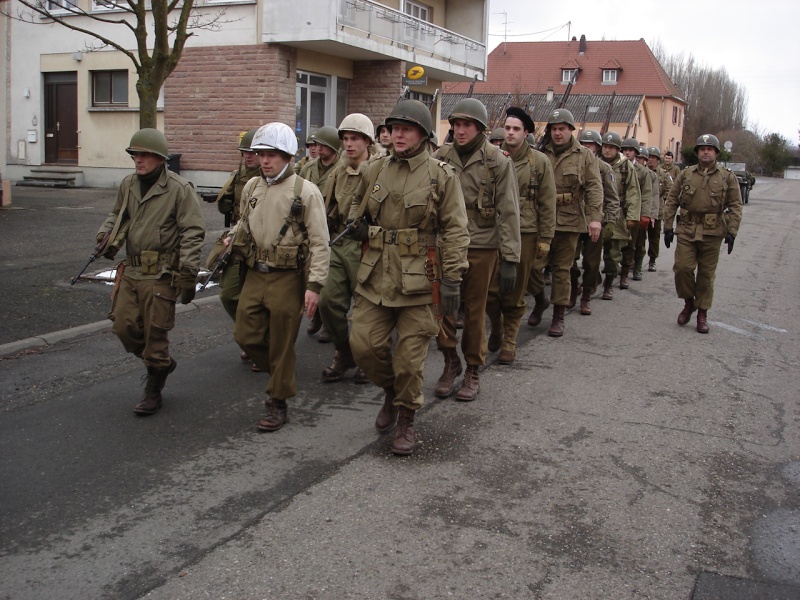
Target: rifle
350,227
222,261
604,128
108,246
561,104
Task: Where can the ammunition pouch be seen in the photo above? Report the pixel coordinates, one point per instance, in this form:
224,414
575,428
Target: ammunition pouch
151,262
483,217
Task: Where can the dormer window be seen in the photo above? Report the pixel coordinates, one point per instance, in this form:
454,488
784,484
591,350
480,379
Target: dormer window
567,75
609,76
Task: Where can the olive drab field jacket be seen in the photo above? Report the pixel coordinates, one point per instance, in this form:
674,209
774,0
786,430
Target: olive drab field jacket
411,206
630,196
166,226
611,210
537,192
710,203
645,188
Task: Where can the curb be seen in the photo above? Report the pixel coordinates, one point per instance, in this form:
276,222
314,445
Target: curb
48,339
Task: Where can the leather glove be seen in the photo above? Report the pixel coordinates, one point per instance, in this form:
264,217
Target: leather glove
508,276
360,232
631,224
542,250
99,238
644,223
225,204
186,282
608,232
450,297
729,240
669,235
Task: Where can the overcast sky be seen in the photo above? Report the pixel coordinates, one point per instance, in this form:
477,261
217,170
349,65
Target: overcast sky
758,42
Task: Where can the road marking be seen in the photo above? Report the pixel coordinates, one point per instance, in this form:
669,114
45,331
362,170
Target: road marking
732,328
765,326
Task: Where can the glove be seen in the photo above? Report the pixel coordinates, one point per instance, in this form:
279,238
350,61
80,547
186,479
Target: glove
186,282
508,276
225,204
631,224
669,235
99,238
542,250
360,232
644,223
608,232
729,240
450,297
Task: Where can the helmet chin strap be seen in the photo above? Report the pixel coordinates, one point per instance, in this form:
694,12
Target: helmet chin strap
271,180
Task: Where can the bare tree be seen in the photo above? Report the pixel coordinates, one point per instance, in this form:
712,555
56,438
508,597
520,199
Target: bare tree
170,21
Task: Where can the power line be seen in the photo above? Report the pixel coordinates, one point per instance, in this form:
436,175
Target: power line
524,34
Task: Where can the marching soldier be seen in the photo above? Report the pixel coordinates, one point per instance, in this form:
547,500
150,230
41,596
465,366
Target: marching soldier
281,235
355,133
498,136
669,165
633,253
710,213
490,191
537,207
592,250
664,185
403,202
630,200
643,159
318,172
163,245
579,206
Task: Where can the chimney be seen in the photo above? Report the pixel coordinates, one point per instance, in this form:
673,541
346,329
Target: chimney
582,45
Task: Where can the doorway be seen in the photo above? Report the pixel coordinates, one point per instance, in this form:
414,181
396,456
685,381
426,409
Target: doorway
61,118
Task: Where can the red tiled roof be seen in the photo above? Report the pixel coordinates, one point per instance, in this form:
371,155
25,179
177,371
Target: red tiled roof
532,67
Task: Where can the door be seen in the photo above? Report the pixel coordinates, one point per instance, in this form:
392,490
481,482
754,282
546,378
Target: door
61,118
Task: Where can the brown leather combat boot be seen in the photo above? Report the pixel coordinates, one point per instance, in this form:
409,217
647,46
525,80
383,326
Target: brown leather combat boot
542,302
686,313
623,278
495,337
608,288
471,386
586,298
508,352
315,324
557,326
324,336
360,377
405,437
156,380
574,292
342,362
388,413
277,415
452,369
702,320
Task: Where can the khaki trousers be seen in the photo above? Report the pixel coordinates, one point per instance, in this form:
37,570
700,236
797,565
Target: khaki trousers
654,240
591,252
267,322
629,249
371,342
143,316
480,272
562,255
702,257
337,294
612,256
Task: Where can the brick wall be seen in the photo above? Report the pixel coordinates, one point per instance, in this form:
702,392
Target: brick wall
217,92
375,88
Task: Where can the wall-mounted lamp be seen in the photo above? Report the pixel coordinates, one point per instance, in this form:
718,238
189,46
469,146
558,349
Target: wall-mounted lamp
26,93
550,94
77,56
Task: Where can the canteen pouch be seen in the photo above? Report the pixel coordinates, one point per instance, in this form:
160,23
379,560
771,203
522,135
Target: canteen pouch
286,257
710,221
407,242
149,264
375,237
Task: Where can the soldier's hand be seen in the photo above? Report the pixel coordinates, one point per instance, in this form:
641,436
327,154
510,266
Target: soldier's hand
542,250
508,276
99,238
450,297
631,224
187,295
225,204
729,240
669,235
594,230
360,232
186,283
644,223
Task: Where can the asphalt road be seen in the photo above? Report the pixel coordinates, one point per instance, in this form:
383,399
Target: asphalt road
631,458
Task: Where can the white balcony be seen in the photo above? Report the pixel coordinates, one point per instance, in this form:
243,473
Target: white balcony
366,30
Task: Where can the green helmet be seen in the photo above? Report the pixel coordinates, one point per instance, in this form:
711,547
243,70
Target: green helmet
246,139
561,115
643,153
381,126
632,144
434,139
150,140
531,140
470,109
328,136
707,140
612,138
654,151
498,135
411,112
590,136
310,138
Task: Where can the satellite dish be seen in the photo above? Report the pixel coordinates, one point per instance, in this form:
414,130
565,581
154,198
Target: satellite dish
728,145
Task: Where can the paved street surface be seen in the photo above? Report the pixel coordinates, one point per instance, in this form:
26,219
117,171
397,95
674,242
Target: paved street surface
631,458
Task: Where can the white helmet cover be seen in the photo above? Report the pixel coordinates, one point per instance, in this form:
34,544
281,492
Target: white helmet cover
358,123
275,136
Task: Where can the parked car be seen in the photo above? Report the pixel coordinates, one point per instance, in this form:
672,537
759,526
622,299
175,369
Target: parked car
746,183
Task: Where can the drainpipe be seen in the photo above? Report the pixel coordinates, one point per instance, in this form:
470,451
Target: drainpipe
661,128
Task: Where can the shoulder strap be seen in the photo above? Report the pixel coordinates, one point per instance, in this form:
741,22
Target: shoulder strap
363,206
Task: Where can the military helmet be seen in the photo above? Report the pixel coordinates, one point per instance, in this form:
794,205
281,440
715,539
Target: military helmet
707,140
470,109
561,115
275,136
654,151
150,140
310,137
643,153
434,139
531,140
381,126
632,144
612,138
498,134
590,136
246,139
357,123
411,112
328,136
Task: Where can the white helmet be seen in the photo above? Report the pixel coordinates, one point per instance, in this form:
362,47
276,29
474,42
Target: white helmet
359,124
275,136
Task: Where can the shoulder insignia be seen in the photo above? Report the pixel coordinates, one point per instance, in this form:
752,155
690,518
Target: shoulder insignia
252,202
506,153
376,188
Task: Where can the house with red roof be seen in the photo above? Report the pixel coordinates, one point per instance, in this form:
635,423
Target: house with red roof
616,86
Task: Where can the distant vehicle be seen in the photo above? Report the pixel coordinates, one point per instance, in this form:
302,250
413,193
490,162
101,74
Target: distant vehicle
746,179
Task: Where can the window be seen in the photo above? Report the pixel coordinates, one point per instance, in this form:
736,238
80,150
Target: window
320,100
57,6
101,5
109,88
426,99
674,115
609,76
415,31
567,75
415,9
